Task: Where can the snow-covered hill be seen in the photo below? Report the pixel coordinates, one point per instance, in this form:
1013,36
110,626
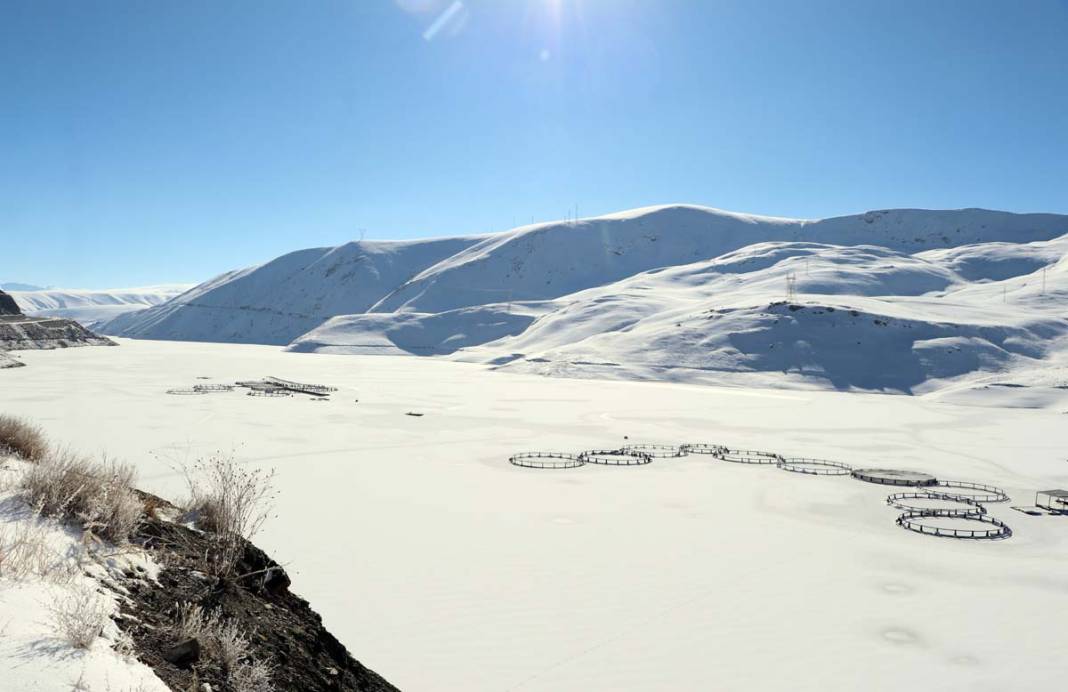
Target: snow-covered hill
91,307
899,300
276,302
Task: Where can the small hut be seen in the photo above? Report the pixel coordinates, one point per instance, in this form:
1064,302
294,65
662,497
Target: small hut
1053,500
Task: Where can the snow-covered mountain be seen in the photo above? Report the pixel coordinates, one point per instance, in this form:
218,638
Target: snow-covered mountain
92,307
897,300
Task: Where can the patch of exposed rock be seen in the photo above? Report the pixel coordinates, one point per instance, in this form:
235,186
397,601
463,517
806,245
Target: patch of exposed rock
8,306
282,629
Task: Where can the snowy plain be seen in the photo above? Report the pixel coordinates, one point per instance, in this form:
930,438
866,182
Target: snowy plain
443,567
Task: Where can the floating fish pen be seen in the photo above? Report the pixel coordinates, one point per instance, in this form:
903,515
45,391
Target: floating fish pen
747,456
815,467
895,477
269,392
615,457
213,388
546,460
302,387
703,448
186,392
986,493
925,522
656,451
913,502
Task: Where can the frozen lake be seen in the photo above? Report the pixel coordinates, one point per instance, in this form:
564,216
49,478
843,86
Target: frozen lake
443,567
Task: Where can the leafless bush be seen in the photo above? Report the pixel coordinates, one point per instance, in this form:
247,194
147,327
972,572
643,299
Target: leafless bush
223,642
21,439
80,618
231,502
253,676
98,495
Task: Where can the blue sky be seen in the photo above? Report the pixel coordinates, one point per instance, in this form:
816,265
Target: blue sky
149,142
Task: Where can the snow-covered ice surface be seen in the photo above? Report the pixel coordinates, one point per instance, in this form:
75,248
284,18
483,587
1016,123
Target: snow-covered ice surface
34,655
91,307
445,568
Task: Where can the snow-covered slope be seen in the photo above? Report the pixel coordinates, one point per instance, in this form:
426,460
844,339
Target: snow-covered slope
276,302
91,307
892,300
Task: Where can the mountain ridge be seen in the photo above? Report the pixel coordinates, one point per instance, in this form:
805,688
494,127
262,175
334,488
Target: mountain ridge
516,298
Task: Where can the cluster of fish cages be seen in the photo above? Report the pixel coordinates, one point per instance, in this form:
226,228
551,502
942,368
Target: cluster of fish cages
271,386
965,499
267,387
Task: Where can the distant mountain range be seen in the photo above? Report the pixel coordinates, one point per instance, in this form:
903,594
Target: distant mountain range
91,307
896,300
16,286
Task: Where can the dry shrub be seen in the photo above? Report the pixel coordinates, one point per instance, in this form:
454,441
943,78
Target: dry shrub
79,618
225,643
253,676
98,495
231,502
21,439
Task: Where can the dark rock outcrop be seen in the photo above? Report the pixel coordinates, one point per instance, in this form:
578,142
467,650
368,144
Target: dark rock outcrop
21,332
282,629
8,306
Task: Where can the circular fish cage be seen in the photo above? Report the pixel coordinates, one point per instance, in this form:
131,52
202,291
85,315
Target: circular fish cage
615,457
815,467
985,493
268,392
213,388
546,460
747,456
913,502
656,451
894,477
926,522
702,448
